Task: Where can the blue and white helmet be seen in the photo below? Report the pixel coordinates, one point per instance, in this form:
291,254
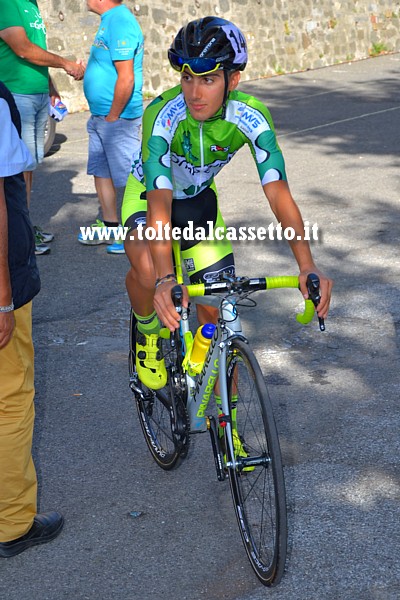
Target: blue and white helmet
207,44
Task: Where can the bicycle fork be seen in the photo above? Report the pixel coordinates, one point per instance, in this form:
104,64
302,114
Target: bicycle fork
223,390
224,420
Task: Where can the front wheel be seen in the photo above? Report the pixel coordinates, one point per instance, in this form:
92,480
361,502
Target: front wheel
255,466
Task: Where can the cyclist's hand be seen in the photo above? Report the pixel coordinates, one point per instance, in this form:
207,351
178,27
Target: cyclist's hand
164,306
326,285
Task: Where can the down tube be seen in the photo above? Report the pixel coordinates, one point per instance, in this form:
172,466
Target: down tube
200,394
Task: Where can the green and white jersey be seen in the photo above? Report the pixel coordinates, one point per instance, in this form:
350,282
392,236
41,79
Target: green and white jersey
184,155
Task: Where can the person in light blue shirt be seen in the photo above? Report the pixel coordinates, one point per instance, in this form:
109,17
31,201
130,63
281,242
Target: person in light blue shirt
20,525
113,88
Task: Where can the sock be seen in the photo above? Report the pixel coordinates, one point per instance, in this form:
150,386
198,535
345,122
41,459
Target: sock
234,400
111,223
148,325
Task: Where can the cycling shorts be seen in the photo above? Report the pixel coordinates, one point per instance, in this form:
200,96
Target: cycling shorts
204,257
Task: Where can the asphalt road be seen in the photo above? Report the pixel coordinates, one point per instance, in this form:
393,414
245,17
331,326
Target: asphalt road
335,394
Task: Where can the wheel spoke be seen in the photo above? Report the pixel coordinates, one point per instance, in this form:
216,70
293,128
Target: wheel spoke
257,481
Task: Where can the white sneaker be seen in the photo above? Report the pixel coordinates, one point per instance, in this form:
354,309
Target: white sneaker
41,236
41,249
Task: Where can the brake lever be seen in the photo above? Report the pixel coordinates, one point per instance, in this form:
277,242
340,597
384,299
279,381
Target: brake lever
314,295
177,297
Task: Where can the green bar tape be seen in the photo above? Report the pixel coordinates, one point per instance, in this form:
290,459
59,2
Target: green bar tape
308,313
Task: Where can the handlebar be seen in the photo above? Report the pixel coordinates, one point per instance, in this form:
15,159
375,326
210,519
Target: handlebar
245,285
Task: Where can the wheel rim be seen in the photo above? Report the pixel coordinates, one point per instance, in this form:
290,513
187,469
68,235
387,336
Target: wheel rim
258,508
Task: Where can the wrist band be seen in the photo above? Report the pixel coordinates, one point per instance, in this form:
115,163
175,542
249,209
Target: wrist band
165,279
6,309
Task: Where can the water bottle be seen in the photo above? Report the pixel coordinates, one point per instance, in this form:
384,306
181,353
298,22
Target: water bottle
201,343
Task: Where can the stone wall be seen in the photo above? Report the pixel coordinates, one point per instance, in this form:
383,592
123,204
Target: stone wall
283,35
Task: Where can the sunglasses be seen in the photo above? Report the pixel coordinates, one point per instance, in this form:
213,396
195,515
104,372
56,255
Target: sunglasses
197,66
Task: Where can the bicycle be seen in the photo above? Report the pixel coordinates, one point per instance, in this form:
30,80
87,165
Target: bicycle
244,437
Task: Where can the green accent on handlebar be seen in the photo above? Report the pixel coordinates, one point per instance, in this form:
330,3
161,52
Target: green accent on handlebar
196,289
285,281
308,313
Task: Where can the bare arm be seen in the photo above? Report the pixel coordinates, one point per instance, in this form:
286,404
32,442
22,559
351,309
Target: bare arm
288,215
7,321
159,211
19,43
123,88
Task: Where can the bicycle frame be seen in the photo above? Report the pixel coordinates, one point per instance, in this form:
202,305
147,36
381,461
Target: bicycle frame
201,387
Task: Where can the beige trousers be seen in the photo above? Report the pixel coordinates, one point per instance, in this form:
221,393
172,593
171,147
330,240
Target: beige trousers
18,483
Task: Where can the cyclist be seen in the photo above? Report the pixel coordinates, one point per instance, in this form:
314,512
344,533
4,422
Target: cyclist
189,133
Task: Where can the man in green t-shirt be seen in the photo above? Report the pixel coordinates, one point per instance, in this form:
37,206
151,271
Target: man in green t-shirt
24,63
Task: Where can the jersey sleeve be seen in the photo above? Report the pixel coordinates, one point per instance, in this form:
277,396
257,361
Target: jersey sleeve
14,155
123,39
159,124
255,123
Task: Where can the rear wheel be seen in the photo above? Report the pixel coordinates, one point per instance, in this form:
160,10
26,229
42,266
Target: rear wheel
255,466
162,413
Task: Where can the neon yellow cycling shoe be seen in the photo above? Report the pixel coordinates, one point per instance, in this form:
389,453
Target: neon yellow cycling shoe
239,450
150,365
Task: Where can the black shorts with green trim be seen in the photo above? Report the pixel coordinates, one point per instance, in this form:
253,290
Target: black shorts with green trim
204,256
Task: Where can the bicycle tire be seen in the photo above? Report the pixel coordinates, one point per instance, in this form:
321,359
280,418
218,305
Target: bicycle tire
49,135
166,433
258,492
